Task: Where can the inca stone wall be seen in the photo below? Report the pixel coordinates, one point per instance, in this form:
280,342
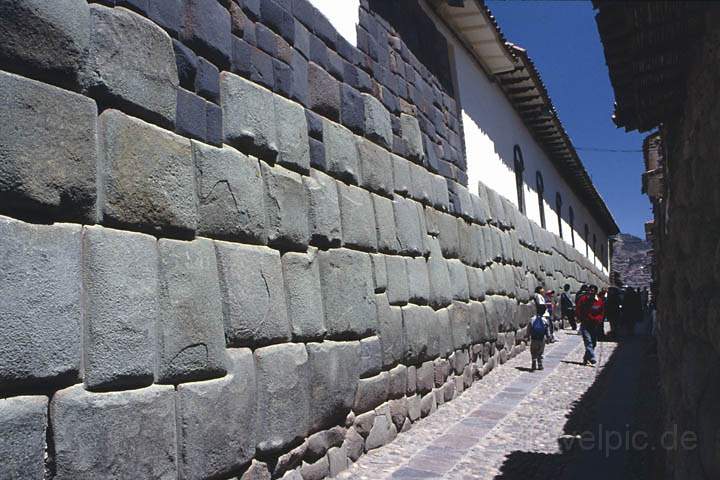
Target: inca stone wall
222,255
688,260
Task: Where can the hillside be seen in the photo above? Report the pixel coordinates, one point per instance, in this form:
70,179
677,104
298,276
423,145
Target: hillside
631,260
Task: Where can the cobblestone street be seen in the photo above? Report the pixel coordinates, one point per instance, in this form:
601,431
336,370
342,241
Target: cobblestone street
507,425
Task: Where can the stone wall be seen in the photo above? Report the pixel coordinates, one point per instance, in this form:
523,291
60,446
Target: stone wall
222,255
688,261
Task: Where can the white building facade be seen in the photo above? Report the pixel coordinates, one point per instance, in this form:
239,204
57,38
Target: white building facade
502,147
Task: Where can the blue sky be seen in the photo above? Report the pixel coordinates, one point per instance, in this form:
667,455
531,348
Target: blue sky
562,39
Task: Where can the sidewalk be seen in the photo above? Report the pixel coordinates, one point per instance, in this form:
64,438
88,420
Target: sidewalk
507,425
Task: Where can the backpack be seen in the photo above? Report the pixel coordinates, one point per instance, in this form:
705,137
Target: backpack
538,328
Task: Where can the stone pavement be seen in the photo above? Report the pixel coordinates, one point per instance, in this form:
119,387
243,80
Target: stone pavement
505,426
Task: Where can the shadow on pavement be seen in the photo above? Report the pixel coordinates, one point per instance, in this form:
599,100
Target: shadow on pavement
570,362
601,423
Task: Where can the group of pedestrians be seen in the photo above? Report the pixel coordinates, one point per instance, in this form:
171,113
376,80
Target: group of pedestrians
589,309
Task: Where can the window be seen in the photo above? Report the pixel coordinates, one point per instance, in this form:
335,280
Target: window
519,170
558,208
594,247
603,260
571,215
587,241
541,202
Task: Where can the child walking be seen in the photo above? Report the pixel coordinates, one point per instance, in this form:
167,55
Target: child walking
537,330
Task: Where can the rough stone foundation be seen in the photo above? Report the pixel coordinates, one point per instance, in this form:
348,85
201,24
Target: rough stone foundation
233,245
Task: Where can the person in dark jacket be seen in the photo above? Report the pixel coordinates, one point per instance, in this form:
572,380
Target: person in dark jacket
612,310
632,310
567,306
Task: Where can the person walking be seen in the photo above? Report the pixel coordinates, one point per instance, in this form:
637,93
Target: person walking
591,313
551,312
632,310
540,299
567,307
612,310
537,331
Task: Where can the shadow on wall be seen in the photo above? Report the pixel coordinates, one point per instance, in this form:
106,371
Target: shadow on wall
618,419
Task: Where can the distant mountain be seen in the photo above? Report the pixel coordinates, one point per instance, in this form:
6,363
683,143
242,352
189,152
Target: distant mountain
632,261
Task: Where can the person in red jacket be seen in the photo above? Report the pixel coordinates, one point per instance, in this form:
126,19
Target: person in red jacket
590,311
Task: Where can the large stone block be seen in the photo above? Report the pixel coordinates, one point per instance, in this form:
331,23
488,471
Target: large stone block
440,288
283,396
216,422
301,272
147,177
390,331
206,29
357,217
379,271
418,280
370,356
371,392
128,434
382,432
253,295
48,154
318,444
398,383
421,187
376,167
401,174
425,377
398,289
412,136
248,116
341,153
378,127
23,421
478,249
441,333
120,284
385,224
323,92
492,316
59,33
292,135
449,236
467,236
416,325
230,194
476,283
348,293
40,287
131,65
462,204
191,338
333,373
409,225
338,460
458,280
286,208
323,209
441,196
460,315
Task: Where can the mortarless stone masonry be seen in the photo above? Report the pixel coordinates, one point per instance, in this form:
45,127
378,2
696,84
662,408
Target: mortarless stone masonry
272,297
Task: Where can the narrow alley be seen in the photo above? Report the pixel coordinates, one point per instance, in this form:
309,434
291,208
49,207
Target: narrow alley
511,424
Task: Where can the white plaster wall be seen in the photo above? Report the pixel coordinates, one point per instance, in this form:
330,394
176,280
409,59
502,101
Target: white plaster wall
343,15
491,130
